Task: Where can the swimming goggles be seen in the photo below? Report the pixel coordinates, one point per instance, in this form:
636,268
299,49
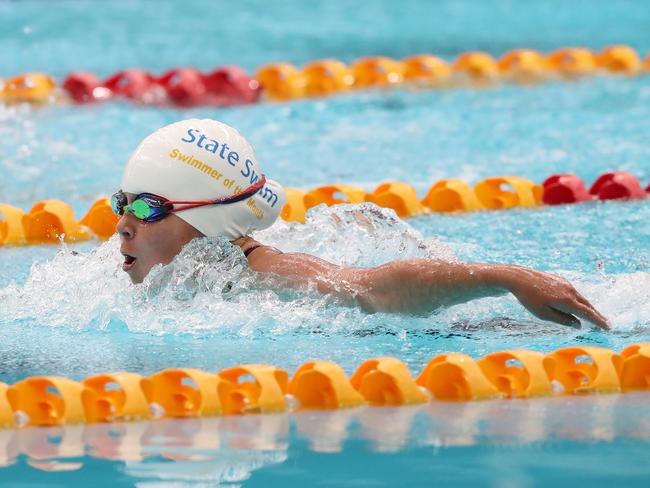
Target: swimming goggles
151,208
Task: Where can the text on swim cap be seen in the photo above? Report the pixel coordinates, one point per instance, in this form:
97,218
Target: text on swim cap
197,163
265,192
211,145
197,138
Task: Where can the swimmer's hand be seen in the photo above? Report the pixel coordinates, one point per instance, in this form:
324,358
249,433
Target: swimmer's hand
550,297
423,286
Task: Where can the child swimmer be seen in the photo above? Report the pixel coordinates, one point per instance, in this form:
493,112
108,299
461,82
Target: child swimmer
199,178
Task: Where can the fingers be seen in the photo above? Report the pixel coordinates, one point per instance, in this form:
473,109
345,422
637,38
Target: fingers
564,318
577,304
594,316
585,310
581,298
553,298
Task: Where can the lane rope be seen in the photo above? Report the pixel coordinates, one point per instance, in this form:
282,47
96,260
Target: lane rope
231,85
51,221
322,385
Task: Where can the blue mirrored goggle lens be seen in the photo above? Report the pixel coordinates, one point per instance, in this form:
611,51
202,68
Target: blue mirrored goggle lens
118,202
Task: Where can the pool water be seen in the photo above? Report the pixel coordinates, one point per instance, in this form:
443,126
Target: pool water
69,311
599,440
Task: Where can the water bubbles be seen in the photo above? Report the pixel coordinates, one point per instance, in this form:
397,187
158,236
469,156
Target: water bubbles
354,235
209,265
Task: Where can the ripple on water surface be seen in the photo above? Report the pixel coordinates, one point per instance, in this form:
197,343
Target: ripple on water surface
597,125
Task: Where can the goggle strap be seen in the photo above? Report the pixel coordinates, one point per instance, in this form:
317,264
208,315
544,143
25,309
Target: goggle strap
122,206
243,195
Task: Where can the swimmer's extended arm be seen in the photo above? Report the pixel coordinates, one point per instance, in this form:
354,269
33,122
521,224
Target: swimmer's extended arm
422,286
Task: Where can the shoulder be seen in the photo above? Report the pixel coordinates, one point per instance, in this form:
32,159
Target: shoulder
249,246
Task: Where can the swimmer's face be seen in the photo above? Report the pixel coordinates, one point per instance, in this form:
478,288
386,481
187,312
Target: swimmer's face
146,244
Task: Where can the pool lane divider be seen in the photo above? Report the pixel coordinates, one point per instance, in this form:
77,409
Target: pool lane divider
52,221
231,85
322,385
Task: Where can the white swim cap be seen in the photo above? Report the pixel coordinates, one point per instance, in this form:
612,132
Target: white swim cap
195,160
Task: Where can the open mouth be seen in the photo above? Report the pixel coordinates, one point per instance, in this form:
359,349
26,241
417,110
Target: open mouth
129,262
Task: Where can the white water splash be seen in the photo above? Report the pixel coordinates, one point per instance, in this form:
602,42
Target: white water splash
354,235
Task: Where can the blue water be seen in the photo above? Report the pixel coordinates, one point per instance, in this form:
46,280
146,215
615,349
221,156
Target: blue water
105,37
599,440
70,311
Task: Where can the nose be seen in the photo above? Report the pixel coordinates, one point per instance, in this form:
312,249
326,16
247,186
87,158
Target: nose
126,226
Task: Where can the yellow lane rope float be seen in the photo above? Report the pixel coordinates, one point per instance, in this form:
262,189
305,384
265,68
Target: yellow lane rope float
282,81
36,88
50,221
385,381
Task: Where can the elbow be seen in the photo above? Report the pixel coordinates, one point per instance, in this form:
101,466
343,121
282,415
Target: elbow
380,290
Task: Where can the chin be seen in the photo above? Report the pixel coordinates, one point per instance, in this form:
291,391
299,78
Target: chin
136,279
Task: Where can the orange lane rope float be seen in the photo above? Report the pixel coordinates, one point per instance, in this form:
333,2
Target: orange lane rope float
281,81
477,67
323,385
51,221
426,70
35,88
524,66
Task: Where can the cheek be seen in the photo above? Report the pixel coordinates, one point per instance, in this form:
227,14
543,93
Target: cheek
168,251
164,244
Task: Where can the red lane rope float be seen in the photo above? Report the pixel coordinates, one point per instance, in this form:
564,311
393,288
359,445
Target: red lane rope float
230,85
322,385
84,87
223,86
136,84
612,186
184,86
568,188
50,221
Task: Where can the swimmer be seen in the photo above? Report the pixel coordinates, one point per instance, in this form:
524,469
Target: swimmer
199,178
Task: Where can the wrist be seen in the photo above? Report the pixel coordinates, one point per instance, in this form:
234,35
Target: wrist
502,276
